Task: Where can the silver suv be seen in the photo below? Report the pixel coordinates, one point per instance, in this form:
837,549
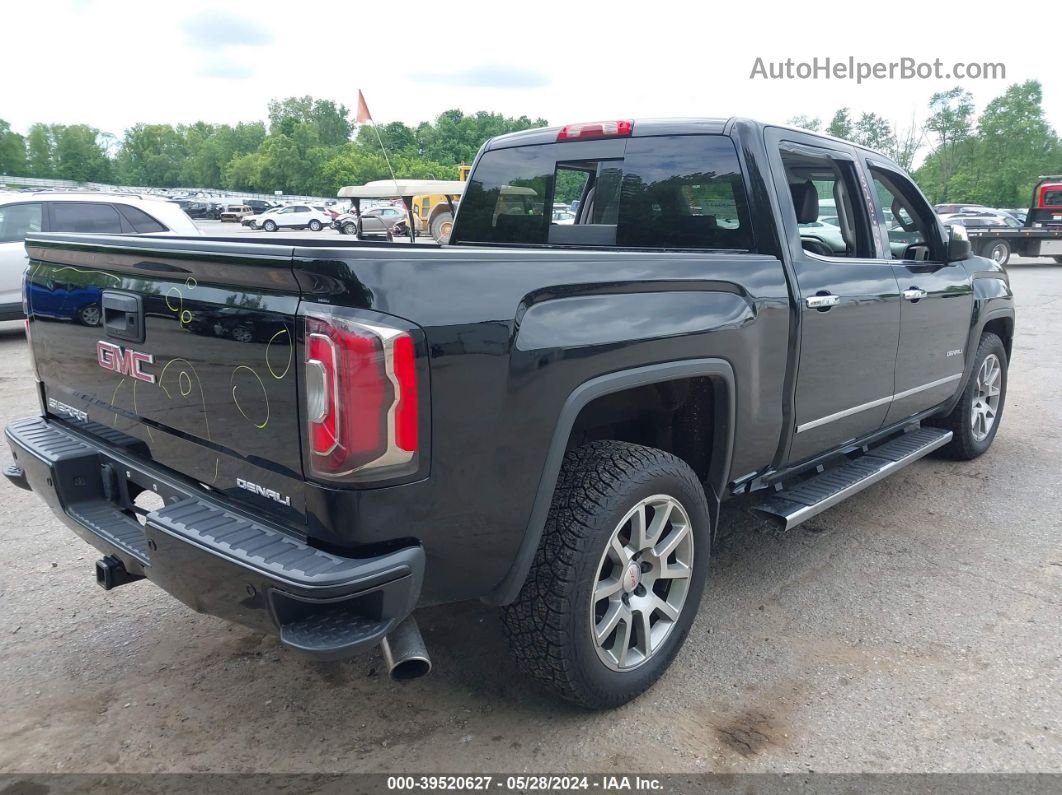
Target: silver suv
23,214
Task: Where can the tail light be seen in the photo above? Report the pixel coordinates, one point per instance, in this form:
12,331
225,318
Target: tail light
361,396
596,129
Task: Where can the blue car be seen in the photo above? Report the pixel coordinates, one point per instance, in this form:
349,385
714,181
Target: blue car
61,301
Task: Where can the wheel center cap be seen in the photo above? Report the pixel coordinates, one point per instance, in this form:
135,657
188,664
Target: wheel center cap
631,577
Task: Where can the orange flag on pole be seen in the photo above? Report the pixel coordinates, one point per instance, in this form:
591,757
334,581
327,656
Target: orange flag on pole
363,114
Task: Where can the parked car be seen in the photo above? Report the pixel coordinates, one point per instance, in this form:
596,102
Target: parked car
546,417
22,214
235,212
203,209
949,209
237,323
295,216
259,206
60,300
375,222
982,220
829,234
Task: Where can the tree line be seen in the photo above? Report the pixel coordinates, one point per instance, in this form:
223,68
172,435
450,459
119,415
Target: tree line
307,146
992,159
310,146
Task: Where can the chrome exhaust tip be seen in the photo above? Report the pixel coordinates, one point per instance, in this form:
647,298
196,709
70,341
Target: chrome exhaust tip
404,652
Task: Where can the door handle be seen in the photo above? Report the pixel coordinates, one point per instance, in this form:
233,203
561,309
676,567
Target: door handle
822,301
913,294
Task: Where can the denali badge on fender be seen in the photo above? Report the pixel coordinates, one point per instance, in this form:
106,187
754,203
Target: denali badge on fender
262,491
111,357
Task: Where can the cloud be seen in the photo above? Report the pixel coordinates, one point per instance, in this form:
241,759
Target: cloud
225,68
209,30
485,77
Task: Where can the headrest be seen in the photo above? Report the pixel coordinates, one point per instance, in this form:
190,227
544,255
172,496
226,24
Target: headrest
805,202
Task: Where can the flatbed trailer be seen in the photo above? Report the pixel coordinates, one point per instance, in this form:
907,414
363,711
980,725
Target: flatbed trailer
1040,237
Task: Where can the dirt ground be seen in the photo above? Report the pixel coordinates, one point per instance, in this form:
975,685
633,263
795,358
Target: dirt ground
916,627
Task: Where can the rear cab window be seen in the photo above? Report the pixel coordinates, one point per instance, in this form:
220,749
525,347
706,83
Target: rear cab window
658,192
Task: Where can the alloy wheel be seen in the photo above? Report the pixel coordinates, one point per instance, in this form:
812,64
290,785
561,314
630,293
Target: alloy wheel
986,397
642,581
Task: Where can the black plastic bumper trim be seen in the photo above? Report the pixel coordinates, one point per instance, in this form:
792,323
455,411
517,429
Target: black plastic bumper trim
211,557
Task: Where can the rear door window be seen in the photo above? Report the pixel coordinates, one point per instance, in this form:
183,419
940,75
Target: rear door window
140,221
85,217
19,220
661,192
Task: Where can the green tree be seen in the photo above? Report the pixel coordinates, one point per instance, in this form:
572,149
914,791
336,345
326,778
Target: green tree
874,132
243,172
806,123
951,123
39,147
1016,145
331,121
152,155
840,125
80,154
12,151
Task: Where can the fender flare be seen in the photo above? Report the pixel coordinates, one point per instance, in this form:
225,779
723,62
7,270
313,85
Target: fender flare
720,370
976,330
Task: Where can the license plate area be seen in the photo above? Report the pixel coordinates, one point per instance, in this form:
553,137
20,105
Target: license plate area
135,492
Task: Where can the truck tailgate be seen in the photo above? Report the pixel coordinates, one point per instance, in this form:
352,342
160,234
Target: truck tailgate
185,346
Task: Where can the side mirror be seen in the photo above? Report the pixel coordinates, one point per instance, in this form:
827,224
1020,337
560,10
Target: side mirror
958,243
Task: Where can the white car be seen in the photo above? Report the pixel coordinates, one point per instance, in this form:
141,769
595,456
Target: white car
23,214
295,216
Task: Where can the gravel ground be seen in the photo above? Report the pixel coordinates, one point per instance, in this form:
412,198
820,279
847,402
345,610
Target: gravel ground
916,627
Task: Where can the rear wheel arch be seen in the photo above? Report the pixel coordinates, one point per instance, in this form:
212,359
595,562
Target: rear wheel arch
717,373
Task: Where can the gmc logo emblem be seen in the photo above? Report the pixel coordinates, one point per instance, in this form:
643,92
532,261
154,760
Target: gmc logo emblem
111,357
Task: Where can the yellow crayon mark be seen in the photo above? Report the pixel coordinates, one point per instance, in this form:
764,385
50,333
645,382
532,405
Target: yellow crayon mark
114,401
269,364
136,411
236,400
202,395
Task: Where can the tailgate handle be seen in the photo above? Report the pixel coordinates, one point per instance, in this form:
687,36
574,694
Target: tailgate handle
123,315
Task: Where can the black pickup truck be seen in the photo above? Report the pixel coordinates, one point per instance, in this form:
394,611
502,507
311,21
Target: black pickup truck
316,437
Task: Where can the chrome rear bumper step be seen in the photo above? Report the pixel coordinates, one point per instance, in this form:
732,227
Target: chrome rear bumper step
792,506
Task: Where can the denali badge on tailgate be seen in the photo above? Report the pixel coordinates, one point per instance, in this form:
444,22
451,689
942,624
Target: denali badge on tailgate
262,491
127,362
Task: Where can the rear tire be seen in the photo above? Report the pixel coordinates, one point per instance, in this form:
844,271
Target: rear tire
441,227
997,250
89,315
976,417
315,225
577,624
269,226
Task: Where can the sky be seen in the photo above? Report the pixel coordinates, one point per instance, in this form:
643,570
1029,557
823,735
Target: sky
113,63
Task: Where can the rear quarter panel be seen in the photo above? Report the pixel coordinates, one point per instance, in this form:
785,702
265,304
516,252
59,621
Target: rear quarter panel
511,334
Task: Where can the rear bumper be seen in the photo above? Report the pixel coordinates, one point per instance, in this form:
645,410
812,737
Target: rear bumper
213,559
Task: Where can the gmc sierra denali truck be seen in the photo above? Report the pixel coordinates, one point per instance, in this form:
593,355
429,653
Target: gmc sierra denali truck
315,437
